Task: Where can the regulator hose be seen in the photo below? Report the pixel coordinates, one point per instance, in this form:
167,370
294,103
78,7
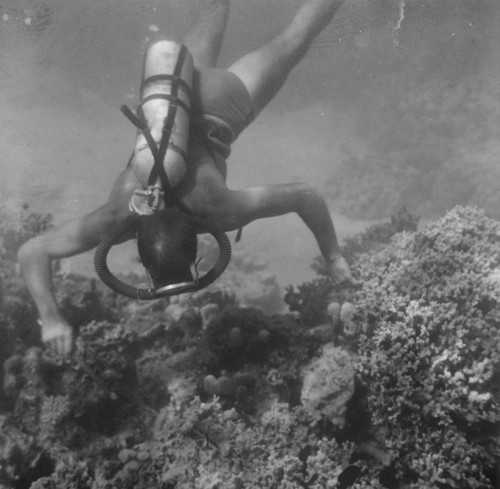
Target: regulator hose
132,292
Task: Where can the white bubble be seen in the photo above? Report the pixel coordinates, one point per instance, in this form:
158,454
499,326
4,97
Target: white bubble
27,20
153,28
5,17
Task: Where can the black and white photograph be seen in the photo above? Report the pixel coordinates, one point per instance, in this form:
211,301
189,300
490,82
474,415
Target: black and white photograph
250,244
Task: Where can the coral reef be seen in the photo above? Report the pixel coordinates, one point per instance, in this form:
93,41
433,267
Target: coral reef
430,352
394,385
236,337
60,405
205,446
310,300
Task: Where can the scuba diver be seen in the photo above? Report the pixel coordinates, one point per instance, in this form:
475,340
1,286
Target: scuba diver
174,187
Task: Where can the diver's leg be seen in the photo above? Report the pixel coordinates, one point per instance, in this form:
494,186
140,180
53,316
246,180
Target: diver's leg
264,70
204,36
275,200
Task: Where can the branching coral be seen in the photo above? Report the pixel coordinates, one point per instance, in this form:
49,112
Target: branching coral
203,446
432,347
310,300
53,411
206,444
64,404
82,302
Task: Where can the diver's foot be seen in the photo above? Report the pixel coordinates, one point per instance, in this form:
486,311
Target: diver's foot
340,274
57,337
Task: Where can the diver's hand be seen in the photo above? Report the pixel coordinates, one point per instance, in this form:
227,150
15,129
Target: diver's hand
340,273
57,337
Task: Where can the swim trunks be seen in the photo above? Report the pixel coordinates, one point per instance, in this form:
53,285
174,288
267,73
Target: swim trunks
222,106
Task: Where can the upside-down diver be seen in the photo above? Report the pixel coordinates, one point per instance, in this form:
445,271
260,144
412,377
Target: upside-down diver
174,186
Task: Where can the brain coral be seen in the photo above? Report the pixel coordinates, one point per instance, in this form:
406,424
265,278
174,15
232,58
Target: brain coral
430,351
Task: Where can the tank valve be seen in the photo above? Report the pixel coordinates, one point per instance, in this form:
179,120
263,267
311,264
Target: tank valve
147,202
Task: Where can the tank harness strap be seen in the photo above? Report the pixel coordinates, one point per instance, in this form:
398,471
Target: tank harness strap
158,169
175,78
167,97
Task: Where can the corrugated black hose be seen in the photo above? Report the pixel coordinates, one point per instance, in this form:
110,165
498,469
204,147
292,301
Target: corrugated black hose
127,290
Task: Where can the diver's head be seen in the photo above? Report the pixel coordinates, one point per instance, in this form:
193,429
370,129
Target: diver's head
167,246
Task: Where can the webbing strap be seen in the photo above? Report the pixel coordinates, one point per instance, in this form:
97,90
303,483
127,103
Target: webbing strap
164,96
129,114
159,152
175,79
142,126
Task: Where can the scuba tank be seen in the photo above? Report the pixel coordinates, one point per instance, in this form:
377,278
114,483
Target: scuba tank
163,120
165,94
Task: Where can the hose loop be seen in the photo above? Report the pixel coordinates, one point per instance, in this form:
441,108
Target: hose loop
128,225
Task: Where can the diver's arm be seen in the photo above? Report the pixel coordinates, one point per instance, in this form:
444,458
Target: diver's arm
275,200
35,257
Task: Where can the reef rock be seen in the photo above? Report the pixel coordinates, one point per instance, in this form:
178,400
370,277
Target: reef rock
328,383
